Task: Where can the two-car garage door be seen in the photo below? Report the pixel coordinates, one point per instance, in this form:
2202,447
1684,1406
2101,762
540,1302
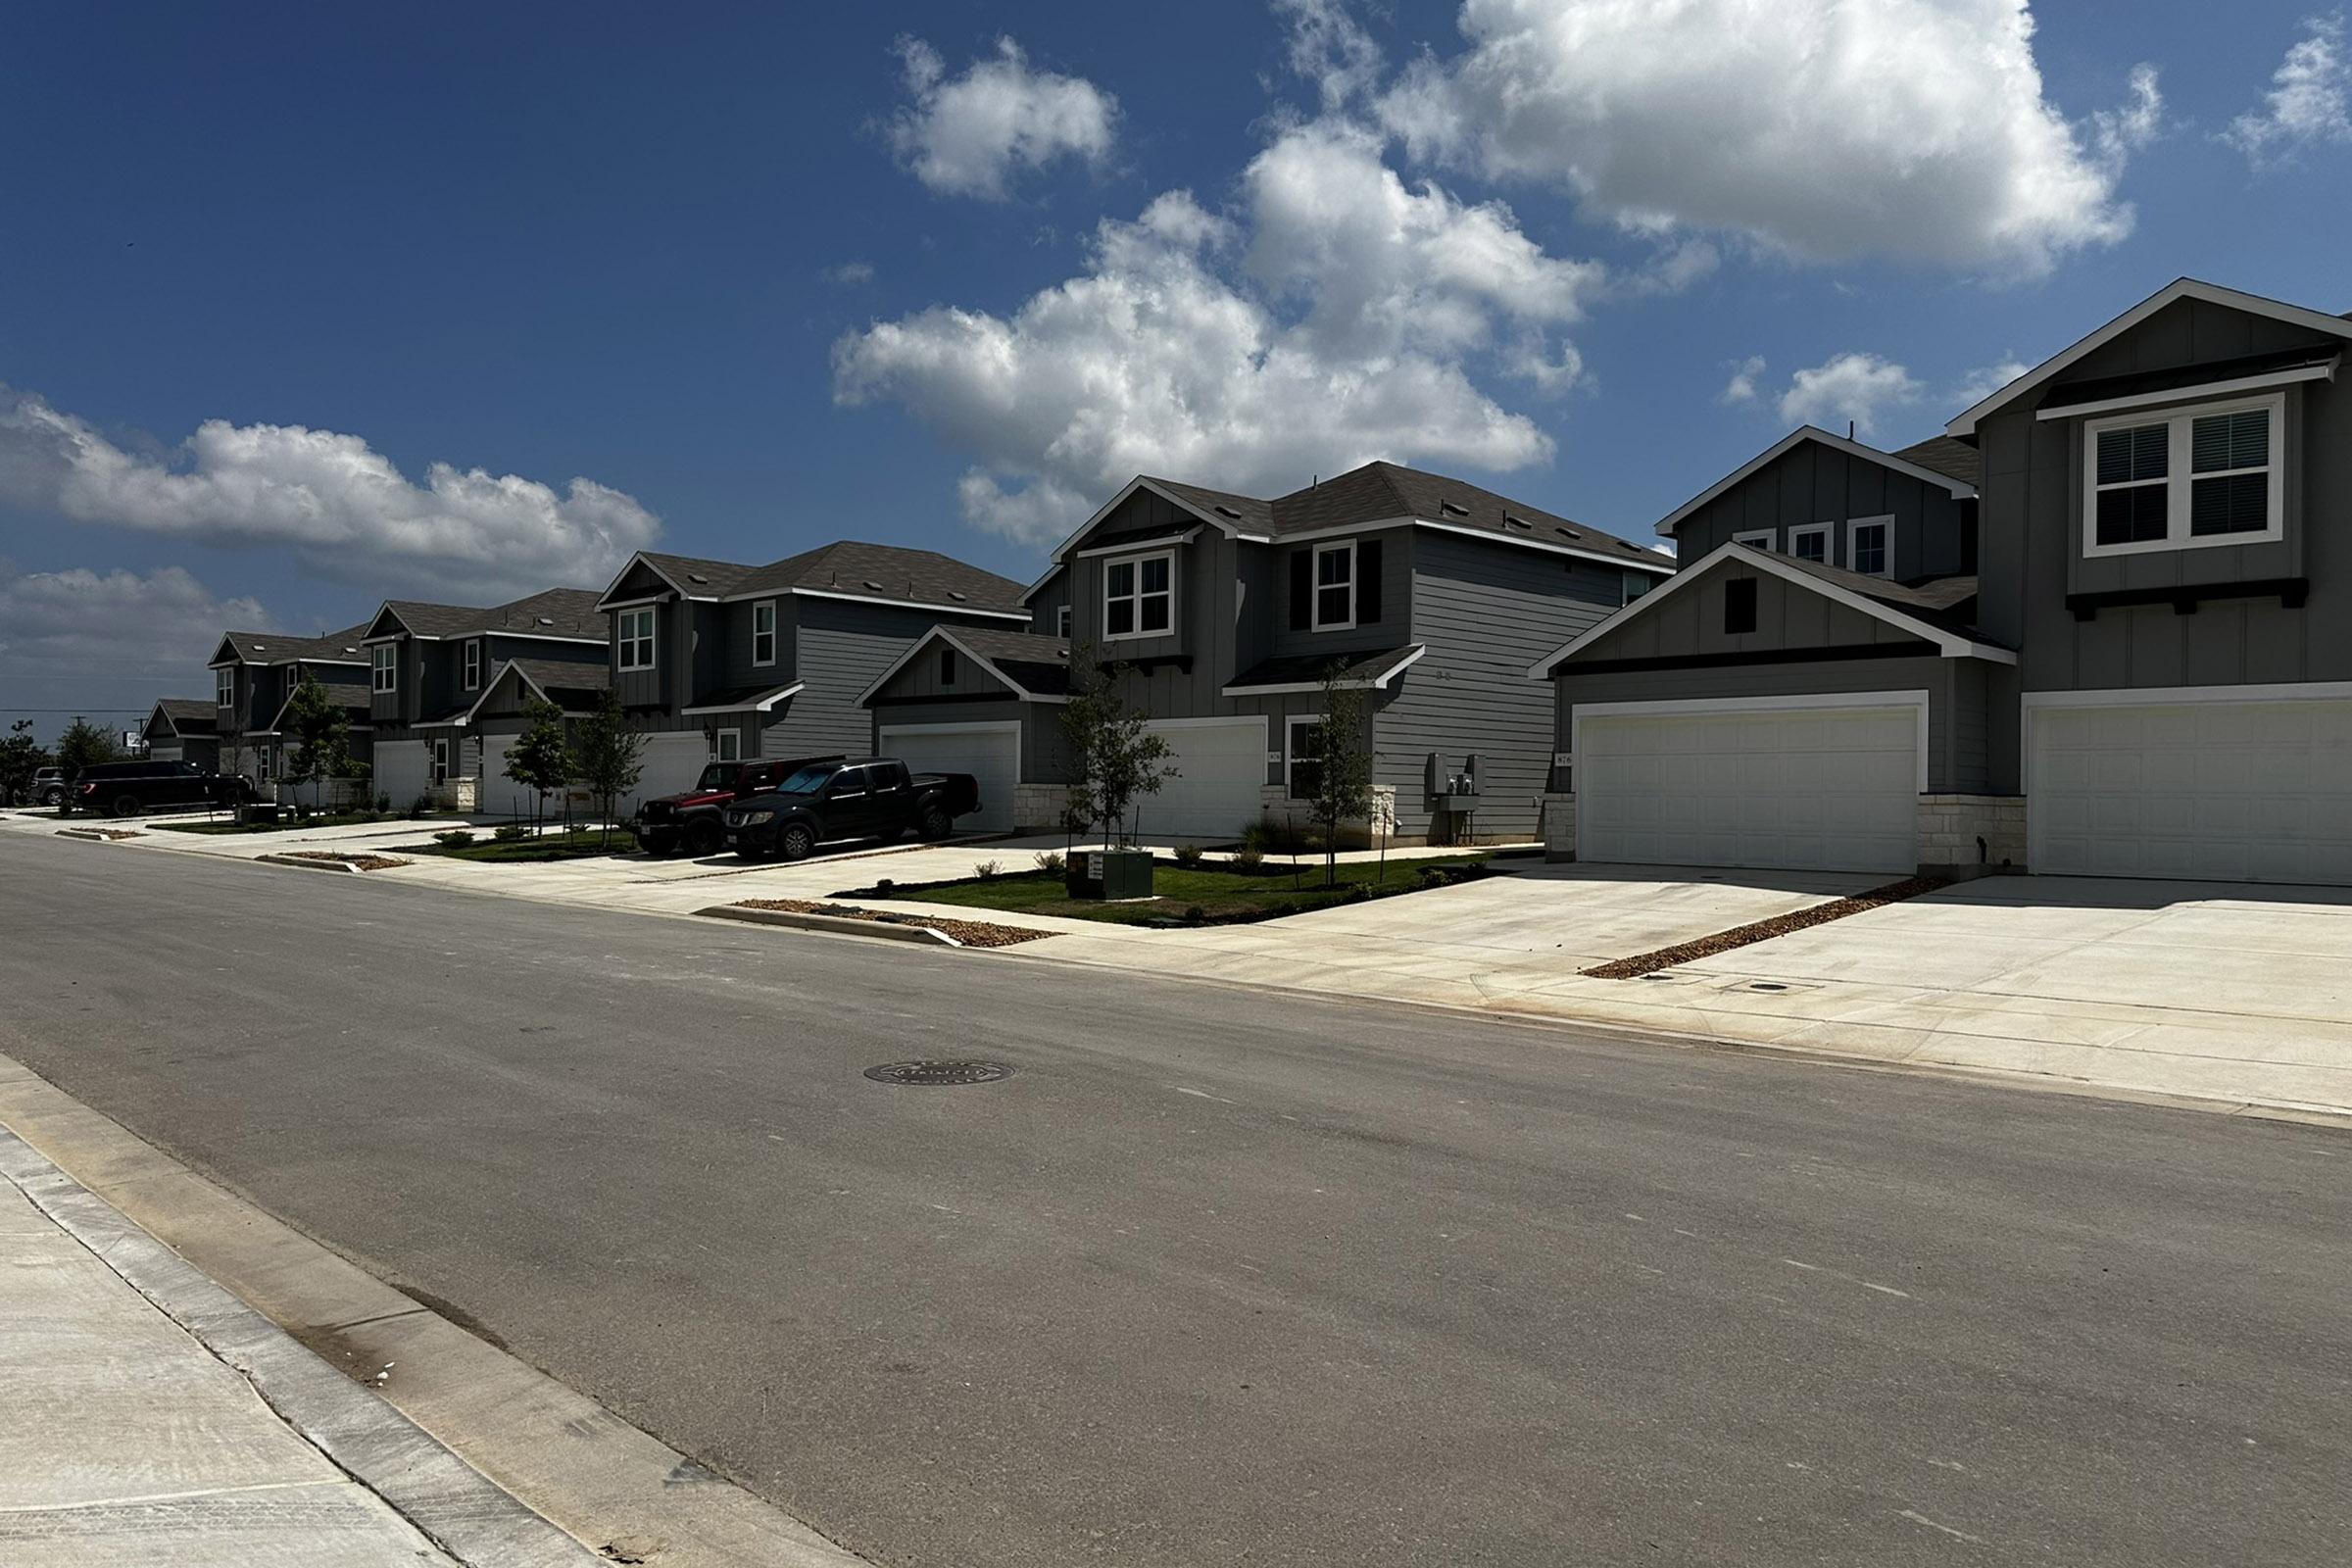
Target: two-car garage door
1746,784
989,750
2225,788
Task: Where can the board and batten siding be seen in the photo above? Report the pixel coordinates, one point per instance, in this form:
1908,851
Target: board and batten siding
1689,622
1485,612
1811,483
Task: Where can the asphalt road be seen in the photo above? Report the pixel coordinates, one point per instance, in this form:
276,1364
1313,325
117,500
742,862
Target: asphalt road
1218,1277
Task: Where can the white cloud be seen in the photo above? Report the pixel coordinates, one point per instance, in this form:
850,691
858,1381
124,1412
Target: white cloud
107,638
967,135
1330,48
2307,100
342,508
1827,129
1858,387
1742,387
2118,133
1159,359
850,274
1984,381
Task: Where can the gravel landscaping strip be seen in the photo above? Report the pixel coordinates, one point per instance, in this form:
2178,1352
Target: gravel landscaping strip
971,933
1740,936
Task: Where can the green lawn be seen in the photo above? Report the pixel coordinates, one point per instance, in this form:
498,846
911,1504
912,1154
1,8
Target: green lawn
287,825
1219,893
580,844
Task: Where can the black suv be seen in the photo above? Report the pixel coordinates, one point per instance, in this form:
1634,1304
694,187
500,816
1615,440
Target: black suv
125,789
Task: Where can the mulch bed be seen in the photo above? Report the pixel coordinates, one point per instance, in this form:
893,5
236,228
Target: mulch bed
1740,936
365,862
109,833
971,933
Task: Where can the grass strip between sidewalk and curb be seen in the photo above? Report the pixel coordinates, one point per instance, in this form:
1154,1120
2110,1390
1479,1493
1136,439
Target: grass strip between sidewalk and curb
1780,925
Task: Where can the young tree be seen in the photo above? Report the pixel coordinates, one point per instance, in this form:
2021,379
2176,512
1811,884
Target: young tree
84,745
1113,754
325,729
1342,765
20,757
606,760
540,758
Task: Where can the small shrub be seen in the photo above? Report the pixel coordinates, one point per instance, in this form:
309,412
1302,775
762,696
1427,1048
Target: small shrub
1052,863
419,806
455,838
511,833
384,806
987,870
1249,857
1187,855
884,885
1195,915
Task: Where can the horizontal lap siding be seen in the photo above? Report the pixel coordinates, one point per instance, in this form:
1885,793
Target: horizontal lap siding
843,649
1486,612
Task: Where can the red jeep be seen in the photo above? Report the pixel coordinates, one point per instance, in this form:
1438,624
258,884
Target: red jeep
695,821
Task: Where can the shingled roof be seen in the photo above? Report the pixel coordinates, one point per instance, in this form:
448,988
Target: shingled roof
886,573
1945,455
188,715
276,648
550,613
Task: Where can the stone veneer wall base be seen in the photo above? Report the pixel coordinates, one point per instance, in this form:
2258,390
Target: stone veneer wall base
1964,836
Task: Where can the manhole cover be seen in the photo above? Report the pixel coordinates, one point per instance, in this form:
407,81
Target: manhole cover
937,1072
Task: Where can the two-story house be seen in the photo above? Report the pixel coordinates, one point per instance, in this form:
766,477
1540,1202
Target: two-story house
1222,614
255,672
2122,664
429,667
717,661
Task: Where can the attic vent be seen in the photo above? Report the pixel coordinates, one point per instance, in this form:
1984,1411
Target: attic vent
1567,533
1451,510
1228,512
959,597
546,620
875,586
696,576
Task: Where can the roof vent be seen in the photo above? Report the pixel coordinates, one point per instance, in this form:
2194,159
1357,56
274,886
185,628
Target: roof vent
1517,525
1224,511
1453,509
546,620
1567,533
875,586
696,576
959,597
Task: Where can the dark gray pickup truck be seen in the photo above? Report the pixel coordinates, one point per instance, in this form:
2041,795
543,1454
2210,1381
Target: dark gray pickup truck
873,798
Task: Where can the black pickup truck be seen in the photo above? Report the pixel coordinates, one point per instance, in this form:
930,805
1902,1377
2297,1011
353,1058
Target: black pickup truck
695,821
873,798
125,789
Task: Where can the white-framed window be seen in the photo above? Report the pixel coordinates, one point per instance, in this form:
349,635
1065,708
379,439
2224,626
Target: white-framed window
383,660
1335,586
1761,538
1632,585
727,744
1870,545
636,635
1061,620
1810,541
293,678
225,687
441,761
764,632
1302,760
261,764
473,663
1139,596
2211,475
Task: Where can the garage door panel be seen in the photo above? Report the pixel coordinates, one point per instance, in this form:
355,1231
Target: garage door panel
991,755
2227,790
1832,789
1221,773
401,773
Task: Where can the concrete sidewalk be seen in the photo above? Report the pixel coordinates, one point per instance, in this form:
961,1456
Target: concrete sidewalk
163,1422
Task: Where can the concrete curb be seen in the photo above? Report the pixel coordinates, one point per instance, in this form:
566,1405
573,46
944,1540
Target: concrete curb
99,835
302,863
453,1505
839,924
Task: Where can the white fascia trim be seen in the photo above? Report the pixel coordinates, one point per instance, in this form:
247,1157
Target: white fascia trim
2191,394
2185,289
947,635
1952,645
521,675
1805,701
1958,489
1420,650
1225,525
1139,546
760,707
620,605
1021,615
1663,568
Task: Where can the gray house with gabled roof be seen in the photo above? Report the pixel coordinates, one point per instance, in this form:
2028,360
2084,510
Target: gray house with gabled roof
1220,615
718,661
255,672
183,729
2122,663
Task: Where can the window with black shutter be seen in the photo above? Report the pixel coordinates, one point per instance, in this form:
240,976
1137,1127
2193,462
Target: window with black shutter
1303,590
1738,605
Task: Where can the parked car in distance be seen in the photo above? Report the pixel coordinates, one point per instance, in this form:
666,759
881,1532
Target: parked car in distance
694,821
49,787
125,789
874,798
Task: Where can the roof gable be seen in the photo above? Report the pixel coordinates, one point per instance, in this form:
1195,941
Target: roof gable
1909,462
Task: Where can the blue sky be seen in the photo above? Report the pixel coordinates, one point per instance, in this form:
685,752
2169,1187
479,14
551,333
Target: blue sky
943,274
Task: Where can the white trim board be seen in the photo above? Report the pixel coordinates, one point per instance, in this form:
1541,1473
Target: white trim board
1735,706
1420,650
1949,644
2190,394
2183,288
763,705
1138,547
1958,489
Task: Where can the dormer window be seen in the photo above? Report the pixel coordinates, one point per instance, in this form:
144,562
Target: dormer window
1139,596
1335,586
2209,475
383,662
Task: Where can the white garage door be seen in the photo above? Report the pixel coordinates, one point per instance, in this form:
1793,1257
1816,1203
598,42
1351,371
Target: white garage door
990,751
164,754
499,795
2227,790
1221,769
1832,789
400,772
669,765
